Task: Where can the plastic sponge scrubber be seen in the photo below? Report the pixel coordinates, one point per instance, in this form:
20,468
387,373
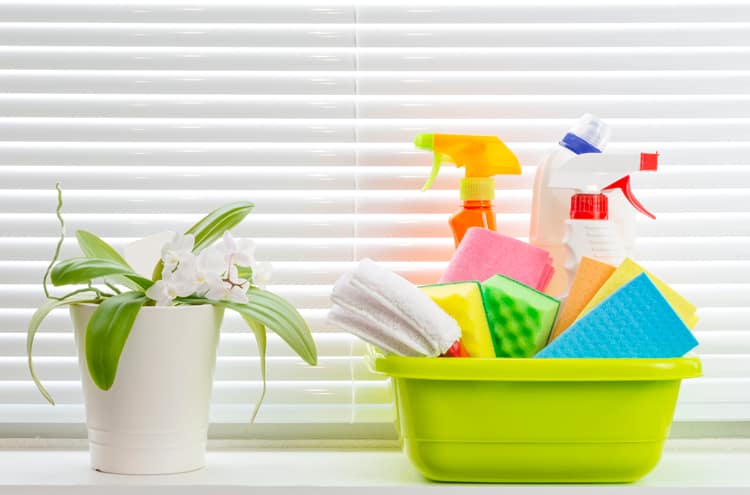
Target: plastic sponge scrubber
484,253
590,277
626,272
463,301
519,316
634,322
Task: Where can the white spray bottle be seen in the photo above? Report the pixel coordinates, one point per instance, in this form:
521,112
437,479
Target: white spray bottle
549,209
589,230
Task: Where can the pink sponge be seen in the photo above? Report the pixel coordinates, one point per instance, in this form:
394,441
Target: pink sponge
484,253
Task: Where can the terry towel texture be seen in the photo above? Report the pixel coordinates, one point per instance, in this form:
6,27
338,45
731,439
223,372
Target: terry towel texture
390,312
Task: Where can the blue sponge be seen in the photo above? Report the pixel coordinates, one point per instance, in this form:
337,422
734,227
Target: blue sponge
634,322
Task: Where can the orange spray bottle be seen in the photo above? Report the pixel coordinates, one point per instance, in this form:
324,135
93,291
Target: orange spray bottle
482,157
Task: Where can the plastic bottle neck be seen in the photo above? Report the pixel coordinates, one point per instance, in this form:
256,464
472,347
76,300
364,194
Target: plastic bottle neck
476,204
589,207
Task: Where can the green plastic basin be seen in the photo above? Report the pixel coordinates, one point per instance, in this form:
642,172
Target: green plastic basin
535,420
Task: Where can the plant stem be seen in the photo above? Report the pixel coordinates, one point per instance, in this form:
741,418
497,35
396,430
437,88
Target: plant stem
59,242
111,286
99,294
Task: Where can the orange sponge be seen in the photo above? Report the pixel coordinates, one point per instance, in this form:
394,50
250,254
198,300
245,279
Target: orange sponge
589,278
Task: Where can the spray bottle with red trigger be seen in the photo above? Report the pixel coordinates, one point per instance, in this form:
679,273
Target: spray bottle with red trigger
589,231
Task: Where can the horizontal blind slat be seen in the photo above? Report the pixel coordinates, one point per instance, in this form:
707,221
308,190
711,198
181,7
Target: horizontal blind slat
276,249
340,130
231,344
553,106
176,82
369,225
699,154
322,156
58,321
176,106
175,34
555,34
337,202
392,12
372,106
238,414
279,369
229,11
224,392
378,59
181,58
307,296
213,180
449,58
544,82
386,155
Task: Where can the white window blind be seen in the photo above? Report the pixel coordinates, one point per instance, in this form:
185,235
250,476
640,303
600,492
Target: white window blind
152,113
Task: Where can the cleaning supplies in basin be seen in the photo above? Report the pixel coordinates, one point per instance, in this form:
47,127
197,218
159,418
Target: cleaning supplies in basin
484,253
386,310
636,321
464,302
483,157
520,317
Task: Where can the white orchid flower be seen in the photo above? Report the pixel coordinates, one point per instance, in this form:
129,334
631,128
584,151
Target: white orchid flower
179,283
159,292
230,289
262,274
235,252
163,292
207,267
175,251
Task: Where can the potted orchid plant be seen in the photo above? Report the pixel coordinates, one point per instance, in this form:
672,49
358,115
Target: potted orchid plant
147,341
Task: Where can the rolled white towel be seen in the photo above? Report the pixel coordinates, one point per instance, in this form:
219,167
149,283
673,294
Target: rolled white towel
388,311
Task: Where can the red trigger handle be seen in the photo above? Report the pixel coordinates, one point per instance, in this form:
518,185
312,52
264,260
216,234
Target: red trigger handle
623,184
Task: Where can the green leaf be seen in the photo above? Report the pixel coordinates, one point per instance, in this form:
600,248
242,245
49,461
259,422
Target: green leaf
213,225
106,334
260,340
279,316
94,247
142,283
36,320
83,270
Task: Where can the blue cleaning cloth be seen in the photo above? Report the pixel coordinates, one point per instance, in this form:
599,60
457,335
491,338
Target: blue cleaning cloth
634,322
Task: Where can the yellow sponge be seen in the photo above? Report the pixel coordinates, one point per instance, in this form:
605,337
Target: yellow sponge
463,301
626,272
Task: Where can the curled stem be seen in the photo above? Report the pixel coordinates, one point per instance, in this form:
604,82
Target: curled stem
59,243
113,287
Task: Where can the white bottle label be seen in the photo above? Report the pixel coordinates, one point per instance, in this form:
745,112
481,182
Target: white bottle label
598,239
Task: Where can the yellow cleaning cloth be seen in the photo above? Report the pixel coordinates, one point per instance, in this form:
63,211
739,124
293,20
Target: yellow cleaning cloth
626,272
590,277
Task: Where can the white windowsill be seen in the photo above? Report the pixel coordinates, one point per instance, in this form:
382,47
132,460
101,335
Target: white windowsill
686,463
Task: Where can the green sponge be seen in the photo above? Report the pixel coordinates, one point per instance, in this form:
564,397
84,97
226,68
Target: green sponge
519,316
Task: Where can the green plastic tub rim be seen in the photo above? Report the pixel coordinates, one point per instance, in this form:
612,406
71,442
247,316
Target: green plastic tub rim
531,369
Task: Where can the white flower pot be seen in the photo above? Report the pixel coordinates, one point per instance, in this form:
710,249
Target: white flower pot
154,418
